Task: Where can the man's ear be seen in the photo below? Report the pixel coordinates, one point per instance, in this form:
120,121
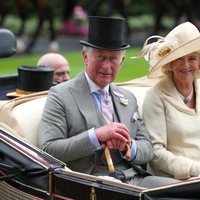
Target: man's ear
85,56
122,60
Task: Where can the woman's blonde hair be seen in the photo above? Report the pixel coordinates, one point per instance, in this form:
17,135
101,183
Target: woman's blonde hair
167,70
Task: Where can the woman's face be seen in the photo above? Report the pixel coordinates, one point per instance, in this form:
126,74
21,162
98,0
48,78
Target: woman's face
186,68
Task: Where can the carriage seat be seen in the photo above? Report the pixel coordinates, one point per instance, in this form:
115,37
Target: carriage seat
23,114
139,93
139,87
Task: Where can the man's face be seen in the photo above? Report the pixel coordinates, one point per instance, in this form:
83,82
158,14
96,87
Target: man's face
102,66
61,74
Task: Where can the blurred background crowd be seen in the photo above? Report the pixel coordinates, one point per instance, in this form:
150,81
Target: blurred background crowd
30,19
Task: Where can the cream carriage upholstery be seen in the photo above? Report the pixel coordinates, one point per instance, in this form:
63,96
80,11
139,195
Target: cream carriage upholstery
139,88
23,114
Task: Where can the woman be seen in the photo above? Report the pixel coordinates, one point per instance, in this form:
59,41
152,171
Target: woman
171,108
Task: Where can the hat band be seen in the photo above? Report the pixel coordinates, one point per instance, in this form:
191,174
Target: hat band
19,91
111,44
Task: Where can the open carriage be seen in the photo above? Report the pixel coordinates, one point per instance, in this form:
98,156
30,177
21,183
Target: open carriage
26,172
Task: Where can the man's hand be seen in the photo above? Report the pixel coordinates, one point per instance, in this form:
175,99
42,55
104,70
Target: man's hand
114,135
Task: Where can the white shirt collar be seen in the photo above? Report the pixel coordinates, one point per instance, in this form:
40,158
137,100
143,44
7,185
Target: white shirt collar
93,87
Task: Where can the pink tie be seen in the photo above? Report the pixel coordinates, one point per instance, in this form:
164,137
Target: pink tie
106,106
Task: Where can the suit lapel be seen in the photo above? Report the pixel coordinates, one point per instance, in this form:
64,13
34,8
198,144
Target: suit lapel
170,94
84,100
87,107
120,108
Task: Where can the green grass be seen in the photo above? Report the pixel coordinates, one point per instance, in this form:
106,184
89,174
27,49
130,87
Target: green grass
132,68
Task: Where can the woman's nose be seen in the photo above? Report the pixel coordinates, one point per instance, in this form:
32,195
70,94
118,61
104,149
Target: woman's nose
185,63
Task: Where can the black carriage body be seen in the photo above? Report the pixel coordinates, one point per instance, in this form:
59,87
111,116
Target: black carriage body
8,83
27,172
76,186
25,168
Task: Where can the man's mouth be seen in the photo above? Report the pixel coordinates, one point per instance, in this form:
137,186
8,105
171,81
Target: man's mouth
105,73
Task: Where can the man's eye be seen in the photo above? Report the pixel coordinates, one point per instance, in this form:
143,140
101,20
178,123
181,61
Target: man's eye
60,73
113,59
99,57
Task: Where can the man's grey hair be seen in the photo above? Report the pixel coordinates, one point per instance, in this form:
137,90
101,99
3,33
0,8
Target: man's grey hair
89,49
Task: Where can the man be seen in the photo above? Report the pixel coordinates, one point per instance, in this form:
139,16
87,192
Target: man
73,128
60,65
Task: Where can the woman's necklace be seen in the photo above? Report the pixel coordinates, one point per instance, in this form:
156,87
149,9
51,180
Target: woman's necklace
188,98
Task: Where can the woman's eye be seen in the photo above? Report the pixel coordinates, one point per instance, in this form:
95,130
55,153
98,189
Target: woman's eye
193,58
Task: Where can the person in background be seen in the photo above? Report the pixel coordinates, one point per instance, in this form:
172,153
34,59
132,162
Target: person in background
76,128
60,65
171,108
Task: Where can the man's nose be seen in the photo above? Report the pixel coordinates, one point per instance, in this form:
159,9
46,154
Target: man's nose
66,77
107,62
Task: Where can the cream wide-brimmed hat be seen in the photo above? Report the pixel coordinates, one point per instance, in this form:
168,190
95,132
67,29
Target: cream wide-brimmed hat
180,41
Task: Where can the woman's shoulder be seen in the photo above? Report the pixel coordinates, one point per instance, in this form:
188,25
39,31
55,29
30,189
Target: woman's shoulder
162,85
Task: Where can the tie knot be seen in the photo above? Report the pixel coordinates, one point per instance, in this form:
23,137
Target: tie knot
103,92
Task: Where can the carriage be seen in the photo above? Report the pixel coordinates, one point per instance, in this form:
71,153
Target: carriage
26,172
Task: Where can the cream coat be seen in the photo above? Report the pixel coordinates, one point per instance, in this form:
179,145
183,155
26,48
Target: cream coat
174,129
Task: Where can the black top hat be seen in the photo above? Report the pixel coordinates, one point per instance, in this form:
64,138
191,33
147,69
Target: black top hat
106,33
32,79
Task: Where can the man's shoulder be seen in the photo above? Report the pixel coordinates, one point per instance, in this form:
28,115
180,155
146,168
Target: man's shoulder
122,92
66,83
120,89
